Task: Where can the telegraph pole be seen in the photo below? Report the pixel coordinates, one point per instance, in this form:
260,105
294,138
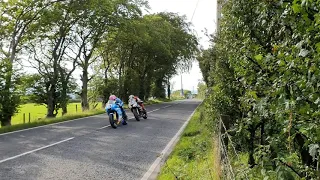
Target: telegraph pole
218,15
182,94
220,3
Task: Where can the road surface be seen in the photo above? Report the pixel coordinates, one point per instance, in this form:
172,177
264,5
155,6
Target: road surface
89,148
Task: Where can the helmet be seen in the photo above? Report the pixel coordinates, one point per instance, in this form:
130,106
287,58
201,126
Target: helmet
131,96
113,97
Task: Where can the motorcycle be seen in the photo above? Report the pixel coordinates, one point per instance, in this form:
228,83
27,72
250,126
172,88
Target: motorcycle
138,110
113,115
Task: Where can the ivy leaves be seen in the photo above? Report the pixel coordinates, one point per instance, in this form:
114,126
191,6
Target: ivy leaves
269,52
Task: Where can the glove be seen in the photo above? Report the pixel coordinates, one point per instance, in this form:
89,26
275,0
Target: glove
120,104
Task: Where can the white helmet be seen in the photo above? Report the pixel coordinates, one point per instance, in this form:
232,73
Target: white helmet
131,96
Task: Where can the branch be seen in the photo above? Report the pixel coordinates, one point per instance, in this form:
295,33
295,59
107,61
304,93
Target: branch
299,174
74,65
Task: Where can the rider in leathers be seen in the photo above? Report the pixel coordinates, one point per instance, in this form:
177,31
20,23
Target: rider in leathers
117,106
135,99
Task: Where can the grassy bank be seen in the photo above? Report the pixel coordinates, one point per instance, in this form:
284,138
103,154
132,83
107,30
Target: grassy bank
40,112
194,156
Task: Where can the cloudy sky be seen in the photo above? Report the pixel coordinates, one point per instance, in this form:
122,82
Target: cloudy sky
204,18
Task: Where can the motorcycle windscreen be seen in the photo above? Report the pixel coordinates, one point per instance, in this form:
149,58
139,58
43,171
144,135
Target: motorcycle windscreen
132,103
109,104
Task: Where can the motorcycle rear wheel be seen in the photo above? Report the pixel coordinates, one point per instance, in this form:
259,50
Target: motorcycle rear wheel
144,114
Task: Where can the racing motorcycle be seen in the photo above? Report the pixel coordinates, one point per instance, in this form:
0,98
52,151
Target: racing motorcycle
113,115
138,110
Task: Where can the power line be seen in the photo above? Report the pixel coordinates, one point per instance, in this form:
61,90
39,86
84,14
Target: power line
195,10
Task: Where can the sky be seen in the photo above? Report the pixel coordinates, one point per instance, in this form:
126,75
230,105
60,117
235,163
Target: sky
204,18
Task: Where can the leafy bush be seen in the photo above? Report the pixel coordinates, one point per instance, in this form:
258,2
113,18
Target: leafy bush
263,72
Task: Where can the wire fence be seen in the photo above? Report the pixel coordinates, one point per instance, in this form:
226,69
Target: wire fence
227,150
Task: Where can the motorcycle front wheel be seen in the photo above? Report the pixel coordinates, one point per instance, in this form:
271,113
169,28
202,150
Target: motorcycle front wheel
136,114
113,120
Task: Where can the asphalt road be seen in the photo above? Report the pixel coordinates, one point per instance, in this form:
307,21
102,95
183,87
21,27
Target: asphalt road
89,148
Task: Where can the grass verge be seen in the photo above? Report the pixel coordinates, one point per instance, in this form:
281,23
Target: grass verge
68,117
194,156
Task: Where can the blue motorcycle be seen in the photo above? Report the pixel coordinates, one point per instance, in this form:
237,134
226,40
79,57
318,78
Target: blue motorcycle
114,110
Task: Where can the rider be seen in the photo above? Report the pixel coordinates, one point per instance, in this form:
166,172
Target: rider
137,100
118,107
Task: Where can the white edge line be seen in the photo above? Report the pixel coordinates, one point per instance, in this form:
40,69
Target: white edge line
50,145
154,110
2,134
103,127
48,125
167,150
35,150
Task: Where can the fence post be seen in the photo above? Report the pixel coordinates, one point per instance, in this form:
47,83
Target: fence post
225,125
29,117
76,107
24,118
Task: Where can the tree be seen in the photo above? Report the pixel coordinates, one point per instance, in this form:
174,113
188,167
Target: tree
202,89
49,53
100,18
18,19
9,96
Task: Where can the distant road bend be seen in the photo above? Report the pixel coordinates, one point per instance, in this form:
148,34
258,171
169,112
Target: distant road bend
89,148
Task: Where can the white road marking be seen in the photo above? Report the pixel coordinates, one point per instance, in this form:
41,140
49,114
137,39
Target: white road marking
48,125
103,127
35,150
154,110
44,147
167,150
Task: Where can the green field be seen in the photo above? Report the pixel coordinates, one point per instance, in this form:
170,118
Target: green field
39,111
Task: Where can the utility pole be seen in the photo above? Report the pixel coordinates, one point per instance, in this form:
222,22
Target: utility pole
220,3
218,15
193,93
182,94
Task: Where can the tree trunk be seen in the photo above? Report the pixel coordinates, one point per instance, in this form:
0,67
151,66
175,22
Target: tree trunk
142,88
6,123
148,88
64,99
51,102
106,91
262,133
168,89
120,92
7,102
306,158
252,131
84,92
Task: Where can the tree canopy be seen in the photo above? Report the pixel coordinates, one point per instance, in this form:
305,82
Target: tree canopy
117,49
